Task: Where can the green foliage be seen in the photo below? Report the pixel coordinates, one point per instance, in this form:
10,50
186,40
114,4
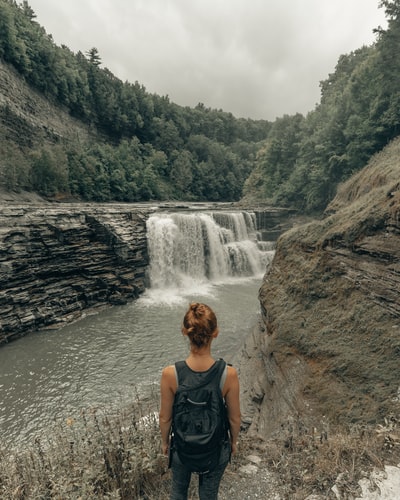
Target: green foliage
14,168
181,173
49,171
304,159
151,148
94,56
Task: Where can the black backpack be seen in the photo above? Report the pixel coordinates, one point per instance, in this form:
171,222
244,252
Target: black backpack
199,422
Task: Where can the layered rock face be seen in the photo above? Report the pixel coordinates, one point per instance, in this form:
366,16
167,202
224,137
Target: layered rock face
58,261
27,118
327,348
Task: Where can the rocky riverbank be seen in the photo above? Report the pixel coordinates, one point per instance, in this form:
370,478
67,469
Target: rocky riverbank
58,261
320,372
327,348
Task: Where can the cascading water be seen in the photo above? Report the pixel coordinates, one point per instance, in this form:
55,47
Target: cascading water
193,248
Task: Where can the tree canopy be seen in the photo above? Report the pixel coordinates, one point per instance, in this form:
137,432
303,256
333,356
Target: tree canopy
148,148
304,158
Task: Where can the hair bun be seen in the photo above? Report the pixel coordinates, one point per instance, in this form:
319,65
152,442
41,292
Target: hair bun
199,323
197,308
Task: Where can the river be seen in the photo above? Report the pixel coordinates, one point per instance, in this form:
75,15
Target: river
104,358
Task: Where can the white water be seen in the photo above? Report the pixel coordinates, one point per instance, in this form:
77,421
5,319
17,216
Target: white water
215,258
191,251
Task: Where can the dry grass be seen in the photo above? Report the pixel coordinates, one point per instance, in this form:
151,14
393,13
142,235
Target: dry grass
100,454
313,461
117,457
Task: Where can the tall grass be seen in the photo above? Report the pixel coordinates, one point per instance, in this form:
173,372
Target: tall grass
330,462
102,453
108,453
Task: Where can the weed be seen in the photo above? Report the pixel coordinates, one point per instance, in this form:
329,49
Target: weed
115,454
317,460
99,454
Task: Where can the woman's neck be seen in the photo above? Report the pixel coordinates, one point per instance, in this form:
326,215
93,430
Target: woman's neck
200,352
200,359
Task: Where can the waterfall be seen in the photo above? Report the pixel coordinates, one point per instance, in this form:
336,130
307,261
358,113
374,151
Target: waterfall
192,248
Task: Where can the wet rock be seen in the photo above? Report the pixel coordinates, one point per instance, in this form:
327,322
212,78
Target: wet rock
381,484
58,261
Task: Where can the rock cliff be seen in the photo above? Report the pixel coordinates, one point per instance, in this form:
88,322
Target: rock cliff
327,346
28,119
56,262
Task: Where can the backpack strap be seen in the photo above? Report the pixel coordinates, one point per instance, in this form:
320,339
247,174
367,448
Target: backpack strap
223,377
176,375
179,367
182,369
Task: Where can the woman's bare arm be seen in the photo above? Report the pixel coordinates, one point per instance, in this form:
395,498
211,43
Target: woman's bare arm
167,390
231,395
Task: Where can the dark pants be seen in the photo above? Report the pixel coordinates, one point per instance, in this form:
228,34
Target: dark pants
208,483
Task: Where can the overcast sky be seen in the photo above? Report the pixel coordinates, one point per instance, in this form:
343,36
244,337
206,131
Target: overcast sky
253,58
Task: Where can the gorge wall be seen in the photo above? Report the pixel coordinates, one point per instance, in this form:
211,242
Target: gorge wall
28,119
58,261
327,346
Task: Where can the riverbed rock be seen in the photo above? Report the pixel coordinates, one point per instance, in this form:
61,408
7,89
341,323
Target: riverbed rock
59,261
381,484
327,346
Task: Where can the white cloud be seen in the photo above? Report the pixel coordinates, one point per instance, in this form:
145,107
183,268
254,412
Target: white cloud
254,58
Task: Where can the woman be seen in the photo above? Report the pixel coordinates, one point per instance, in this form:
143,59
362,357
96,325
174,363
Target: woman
200,326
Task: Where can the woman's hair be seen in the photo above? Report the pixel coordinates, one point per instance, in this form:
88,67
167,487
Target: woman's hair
199,324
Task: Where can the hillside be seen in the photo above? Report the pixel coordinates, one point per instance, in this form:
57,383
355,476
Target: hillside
70,128
28,119
153,149
329,336
320,372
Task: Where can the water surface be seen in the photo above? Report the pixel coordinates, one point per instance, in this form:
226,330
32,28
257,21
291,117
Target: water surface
104,359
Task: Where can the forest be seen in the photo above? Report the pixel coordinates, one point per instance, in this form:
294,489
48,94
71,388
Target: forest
305,158
149,148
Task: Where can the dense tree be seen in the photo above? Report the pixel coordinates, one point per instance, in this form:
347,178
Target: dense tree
387,105
302,162
172,138
14,168
150,148
49,171
181,173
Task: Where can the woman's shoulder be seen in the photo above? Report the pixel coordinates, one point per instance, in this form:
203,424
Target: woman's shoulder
231,381
168,371
232,372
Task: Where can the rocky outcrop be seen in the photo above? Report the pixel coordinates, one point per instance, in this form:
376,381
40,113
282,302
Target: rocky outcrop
56,262
328,341
28,119
272,221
